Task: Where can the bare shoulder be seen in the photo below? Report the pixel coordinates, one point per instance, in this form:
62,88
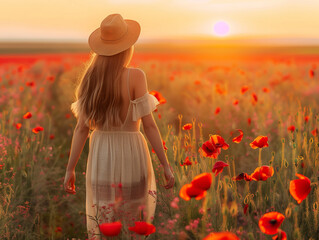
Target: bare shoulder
139,82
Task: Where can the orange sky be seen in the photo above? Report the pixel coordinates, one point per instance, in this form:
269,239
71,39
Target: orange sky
76,19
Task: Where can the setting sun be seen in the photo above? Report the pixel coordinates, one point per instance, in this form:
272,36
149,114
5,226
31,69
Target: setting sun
221,28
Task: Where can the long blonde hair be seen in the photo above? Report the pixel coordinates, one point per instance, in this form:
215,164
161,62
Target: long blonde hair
98,94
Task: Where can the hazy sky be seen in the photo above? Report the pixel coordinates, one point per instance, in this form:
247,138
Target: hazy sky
76,19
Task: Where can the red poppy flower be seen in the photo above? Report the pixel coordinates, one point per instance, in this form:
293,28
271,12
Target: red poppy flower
249,121
219,166
239,138
30,84
111,229
202,181
219,89
270,222
262,173
266,90
188,191
242,176
18,125
315,132
37,129
221,236
244,89
291,128
27,115
52,136
259,142
281,236
187,126
58,229
67,115
311,73
254,98
235,102
50,78
143,228
217,110
300,188
186,162
212,147
307,118
159,96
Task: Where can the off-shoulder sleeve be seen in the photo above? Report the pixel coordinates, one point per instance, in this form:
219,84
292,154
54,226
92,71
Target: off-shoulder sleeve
143,106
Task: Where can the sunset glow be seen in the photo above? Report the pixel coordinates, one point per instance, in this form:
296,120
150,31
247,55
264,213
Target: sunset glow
221,28
75,20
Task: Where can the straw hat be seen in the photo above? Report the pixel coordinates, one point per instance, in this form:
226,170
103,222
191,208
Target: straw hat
114,35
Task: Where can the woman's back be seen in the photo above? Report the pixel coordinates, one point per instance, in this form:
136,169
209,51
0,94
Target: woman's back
136,101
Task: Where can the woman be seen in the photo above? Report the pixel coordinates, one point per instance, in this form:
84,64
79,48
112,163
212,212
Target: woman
112,99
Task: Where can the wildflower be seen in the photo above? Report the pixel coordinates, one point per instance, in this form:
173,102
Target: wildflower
18,125
291,128
221,236
110,229
242,176
254,98
217,110
187,126
249,121
239,138
50,78
58,229
266,90
262,173
202,181
219,166
259,142
37,129
219,89
306,118
159,96
235,102
212,147
300,188
27,115
186,162
52,136
270,222
281,236
188,191
244,89
30,84
315,132
143,228
311,73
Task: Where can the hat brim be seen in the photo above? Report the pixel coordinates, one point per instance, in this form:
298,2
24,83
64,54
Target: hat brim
109,48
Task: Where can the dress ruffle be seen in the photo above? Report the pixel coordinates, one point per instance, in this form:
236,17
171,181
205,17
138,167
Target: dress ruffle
143,105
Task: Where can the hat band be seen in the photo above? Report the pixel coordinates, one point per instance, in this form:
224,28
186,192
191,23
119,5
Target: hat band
114,40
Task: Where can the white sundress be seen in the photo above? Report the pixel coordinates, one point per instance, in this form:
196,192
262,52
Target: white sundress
120,179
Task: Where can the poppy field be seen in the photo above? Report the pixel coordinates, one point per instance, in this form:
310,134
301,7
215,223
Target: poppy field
241,136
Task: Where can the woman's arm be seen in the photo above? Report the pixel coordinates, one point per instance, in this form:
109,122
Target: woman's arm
81,133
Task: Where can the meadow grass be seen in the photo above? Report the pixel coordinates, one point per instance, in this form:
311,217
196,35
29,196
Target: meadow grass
32,165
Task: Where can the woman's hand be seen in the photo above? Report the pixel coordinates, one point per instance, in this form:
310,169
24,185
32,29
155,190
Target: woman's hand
169,177
69,181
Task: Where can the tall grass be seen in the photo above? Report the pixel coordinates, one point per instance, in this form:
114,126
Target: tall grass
33,204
